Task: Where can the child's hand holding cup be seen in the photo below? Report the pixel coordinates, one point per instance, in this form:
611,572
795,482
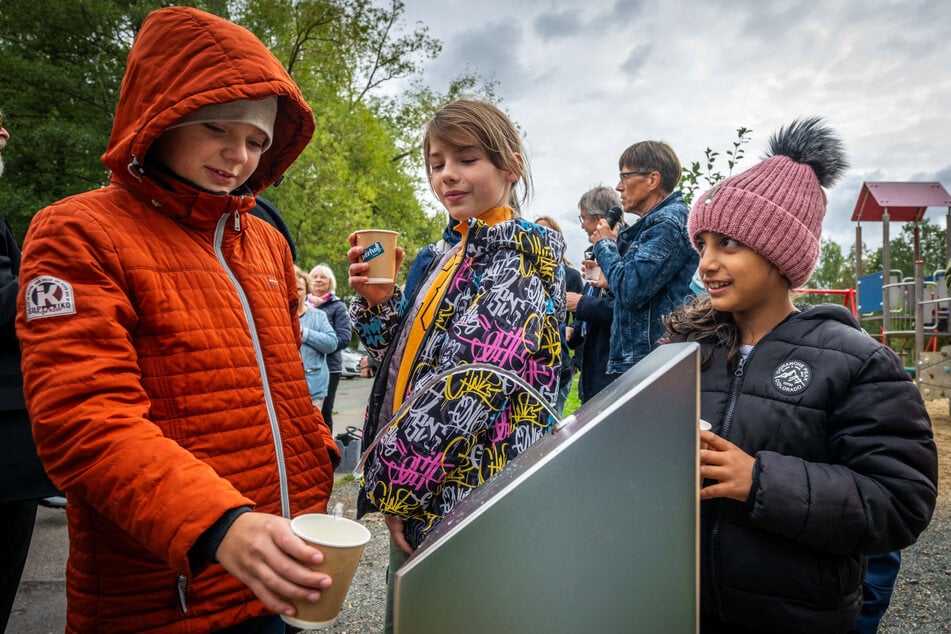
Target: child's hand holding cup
342,542
374,261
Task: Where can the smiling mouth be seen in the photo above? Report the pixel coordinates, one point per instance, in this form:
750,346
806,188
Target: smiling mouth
716,285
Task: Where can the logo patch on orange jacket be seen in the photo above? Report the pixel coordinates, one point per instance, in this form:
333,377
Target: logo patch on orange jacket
48,296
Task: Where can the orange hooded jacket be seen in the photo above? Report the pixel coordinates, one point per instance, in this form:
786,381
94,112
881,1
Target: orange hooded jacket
161,347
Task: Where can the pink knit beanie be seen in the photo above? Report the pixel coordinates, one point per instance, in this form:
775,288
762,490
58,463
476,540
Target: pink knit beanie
776,207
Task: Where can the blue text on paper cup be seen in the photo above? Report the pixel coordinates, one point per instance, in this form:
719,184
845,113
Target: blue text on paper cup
372,251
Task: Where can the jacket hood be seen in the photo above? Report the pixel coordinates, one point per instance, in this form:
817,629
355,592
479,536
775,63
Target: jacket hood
543,248
829,311
184,59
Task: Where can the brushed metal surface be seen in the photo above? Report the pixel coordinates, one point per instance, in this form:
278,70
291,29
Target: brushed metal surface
593,529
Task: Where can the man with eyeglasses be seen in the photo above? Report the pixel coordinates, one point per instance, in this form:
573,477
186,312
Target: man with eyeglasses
648,266
23,481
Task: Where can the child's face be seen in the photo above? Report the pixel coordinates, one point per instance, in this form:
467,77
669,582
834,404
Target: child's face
218,156
738,279
466,181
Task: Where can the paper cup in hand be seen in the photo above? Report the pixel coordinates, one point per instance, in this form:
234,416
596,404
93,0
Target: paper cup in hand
704,426
342,542
379,251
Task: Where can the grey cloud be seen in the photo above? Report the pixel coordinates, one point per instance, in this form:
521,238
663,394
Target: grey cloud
491,50
636,60
549,26
626,11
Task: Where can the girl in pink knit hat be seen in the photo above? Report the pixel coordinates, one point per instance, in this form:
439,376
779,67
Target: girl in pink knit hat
821,451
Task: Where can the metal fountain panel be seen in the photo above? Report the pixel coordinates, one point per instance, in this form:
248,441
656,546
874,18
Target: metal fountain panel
593,529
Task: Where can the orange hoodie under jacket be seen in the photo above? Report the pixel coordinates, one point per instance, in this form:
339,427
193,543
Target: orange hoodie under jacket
161,347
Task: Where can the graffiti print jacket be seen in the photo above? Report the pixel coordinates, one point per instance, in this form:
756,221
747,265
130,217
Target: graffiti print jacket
502,306
845,467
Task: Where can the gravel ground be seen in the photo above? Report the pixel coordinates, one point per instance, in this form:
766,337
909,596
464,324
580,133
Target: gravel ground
362,612
922,599
921,603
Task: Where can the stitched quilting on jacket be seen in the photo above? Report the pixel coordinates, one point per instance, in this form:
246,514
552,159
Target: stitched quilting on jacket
845,467
162,365
502,306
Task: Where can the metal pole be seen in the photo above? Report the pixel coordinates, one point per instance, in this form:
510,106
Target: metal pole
947,237
886,279
919,318
858,250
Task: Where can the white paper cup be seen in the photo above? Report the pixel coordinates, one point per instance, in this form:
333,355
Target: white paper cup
704,426
380,253
342,542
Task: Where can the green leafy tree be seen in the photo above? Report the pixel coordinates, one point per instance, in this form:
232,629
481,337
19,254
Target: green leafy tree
833,271
63,64
932,241
703,175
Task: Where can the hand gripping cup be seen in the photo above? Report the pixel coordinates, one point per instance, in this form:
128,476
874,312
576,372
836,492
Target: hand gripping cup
342,542
704,426
379,251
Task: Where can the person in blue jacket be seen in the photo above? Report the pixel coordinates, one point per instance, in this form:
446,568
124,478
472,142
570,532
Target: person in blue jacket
648,265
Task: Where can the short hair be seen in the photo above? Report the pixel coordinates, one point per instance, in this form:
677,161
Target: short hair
468,122
323,268
300,274
654,156
598,200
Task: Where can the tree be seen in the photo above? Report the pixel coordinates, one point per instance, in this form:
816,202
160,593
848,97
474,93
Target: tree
901,252
695,177
833,271
63,64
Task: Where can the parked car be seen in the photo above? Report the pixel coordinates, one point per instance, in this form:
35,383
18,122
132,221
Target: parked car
351,362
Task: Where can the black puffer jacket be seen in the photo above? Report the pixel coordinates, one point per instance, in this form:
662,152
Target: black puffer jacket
845,467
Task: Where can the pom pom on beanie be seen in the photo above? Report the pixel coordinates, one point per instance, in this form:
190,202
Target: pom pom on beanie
776,207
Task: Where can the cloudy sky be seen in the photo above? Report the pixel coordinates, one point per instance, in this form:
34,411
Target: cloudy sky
586,78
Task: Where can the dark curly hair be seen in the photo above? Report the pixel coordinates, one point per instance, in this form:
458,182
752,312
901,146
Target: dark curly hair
699,321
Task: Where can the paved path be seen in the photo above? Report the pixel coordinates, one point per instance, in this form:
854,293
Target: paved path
40,606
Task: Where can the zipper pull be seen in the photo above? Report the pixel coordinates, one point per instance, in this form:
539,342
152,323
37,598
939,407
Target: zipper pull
739,367
237,221
182,588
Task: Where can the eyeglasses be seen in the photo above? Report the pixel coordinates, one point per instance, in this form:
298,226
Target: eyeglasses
623,176
592,217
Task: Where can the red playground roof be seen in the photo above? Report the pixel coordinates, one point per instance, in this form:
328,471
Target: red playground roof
906,202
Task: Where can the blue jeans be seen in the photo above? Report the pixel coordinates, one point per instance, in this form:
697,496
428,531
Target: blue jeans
877,590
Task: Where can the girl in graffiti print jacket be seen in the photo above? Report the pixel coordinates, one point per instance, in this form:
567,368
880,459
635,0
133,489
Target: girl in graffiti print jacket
497,298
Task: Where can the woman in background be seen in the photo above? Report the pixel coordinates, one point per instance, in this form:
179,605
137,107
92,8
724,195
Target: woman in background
322,297
318,339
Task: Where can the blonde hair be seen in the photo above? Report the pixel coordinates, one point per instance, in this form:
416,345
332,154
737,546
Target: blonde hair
466,123
300,274
323,268
555,227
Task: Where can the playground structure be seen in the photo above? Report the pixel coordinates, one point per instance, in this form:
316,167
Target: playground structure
911,308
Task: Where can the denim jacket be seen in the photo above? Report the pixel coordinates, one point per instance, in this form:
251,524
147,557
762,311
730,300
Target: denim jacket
649,270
